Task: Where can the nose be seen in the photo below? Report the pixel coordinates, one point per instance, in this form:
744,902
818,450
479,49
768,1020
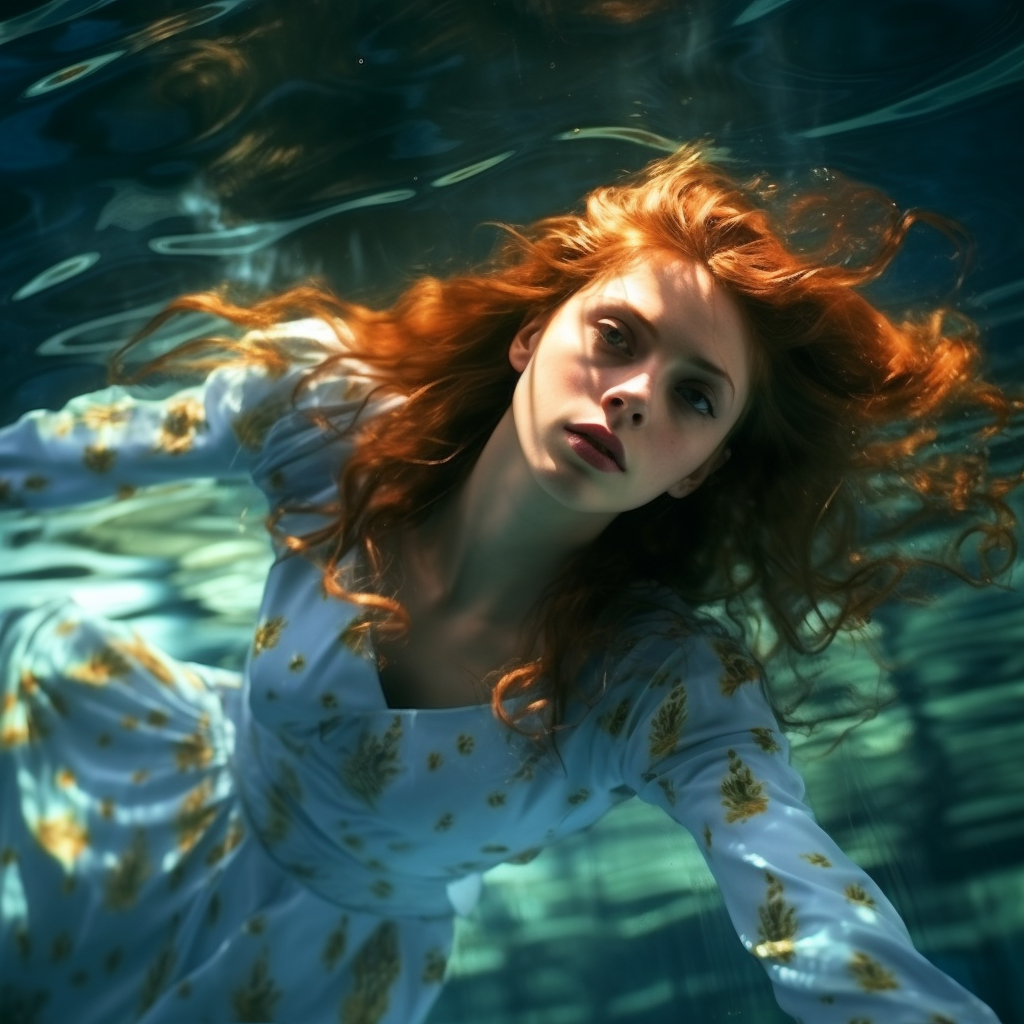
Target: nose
630,398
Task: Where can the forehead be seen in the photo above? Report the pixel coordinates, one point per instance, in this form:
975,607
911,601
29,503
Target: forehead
680,298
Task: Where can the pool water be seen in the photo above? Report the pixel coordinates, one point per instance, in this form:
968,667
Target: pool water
154,147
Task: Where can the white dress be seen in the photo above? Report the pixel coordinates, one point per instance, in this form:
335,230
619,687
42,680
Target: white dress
181,843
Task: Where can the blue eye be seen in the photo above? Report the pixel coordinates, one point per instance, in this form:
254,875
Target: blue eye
696,400
612,334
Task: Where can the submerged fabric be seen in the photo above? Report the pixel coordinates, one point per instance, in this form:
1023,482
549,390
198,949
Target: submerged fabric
182,843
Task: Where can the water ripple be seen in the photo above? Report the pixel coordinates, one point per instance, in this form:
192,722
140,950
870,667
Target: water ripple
1002,71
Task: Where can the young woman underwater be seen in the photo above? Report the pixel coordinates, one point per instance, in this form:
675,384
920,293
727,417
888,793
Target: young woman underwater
504,510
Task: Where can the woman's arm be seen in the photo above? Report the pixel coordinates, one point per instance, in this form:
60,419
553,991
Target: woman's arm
109,443
702,743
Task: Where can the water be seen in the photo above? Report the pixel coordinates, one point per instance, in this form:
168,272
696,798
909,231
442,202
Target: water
152,148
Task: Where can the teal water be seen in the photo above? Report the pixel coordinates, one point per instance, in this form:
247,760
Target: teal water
149,148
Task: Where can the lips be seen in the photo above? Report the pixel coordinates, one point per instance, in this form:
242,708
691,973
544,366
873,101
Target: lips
602,439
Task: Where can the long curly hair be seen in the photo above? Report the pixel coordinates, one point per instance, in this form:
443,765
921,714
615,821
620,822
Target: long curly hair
833,463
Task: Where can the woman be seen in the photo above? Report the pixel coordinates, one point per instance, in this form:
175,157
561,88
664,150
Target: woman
504,510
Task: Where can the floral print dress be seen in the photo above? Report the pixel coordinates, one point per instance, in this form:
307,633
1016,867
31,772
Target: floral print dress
179,842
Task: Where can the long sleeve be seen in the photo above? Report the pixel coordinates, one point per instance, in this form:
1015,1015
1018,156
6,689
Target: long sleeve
109,443
701,742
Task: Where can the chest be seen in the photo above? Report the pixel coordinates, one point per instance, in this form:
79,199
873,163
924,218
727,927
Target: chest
442,663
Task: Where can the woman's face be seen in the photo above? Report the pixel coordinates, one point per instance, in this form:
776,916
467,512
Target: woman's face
659,358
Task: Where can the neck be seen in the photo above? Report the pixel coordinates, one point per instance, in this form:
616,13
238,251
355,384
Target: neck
488,552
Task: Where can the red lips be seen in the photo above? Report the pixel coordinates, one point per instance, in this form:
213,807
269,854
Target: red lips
603,438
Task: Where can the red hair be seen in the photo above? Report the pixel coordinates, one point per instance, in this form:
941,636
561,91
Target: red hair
833,460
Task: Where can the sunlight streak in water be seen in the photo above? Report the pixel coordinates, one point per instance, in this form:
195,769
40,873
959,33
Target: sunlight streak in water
640,136
106,334
72,73
1002,71
54,13
758,9
59,272
248,238
473,169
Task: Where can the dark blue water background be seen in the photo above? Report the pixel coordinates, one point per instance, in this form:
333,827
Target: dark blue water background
153,147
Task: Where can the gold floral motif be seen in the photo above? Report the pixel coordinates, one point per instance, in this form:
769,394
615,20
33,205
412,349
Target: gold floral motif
125,491
107,808
870,975
496,799
184,418
98,458
157,719
126,878
14,736
329,701
334,947
157,977
525,856
375,968
465,744
528,769
220,850
857,894
103,665
279,817
195,750
296,662
113,414
374,764
737,665
355,638
252,426
64,778
819,860
665,677
581,796
63,837
707,836
434,761
268,634
434,965
778,924
140,652
742,795
194,815
614,721
62,947
667,724
669,789
139,776
129,723
445,822
765,739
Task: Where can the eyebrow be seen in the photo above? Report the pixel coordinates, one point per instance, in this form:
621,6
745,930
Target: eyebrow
697,360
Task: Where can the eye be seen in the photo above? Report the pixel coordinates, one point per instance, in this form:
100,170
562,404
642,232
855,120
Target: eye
612,333
697,399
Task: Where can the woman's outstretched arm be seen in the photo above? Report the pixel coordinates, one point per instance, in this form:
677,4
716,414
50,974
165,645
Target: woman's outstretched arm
109,443
702,743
